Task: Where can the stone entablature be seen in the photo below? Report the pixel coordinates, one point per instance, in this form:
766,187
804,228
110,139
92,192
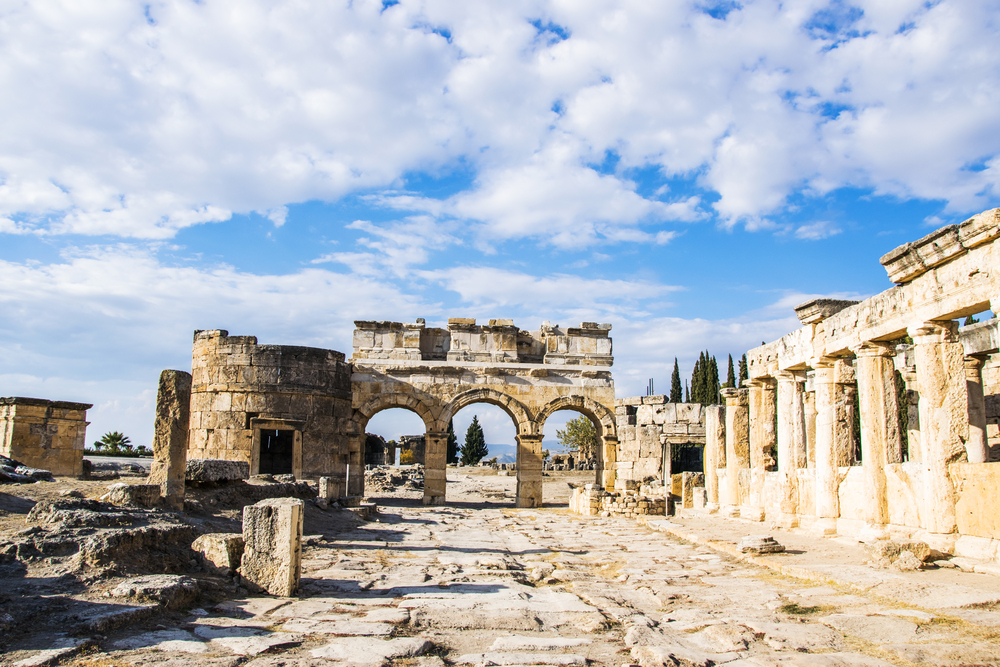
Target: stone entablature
39,433
924,392
530,375
240,387
497,342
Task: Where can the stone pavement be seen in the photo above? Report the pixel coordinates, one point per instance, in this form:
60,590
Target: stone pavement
488,585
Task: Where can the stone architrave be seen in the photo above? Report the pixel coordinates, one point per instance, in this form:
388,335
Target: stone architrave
880,438
737,448
529,470
715,452
944,420
436,465
977,446
827,483
170,436
272,553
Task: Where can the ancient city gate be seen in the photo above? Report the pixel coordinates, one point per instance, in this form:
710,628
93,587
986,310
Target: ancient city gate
529,374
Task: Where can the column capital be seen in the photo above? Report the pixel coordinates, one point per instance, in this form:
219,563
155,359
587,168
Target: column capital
436,434
528,436
735,397
822,363
790,376
933,332
873,349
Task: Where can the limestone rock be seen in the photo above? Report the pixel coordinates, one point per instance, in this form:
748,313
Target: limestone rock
220,552
885,553
365,651
170,436
759,544
134,495
216,470
272,556
170,590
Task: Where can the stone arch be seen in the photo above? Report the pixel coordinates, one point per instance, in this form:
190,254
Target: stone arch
363,414
600,414
522,417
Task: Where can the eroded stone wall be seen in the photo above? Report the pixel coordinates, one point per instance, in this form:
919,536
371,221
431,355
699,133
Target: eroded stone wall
645,425
39,433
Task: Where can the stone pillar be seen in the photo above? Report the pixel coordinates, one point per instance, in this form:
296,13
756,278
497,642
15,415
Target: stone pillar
827,483
944,416
715,452
435,467
977,447
529,471
356,465
762,444
272,555
737,448
880,438
791,445
605,476
170,437
809,417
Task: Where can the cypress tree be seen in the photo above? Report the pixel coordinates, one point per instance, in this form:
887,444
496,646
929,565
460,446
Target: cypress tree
452,443
712,396
474,449
675,384
687,392
744,371
730,374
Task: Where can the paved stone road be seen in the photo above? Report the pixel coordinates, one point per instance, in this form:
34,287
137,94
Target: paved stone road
498,586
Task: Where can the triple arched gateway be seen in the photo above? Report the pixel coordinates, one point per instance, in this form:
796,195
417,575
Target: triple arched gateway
528,374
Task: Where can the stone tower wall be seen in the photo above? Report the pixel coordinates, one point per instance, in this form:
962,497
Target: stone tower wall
239,386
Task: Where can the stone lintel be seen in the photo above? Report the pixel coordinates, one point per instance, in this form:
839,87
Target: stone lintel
818,310
908,261
980,338
44,403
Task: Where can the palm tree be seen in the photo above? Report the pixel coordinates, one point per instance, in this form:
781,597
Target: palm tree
114,442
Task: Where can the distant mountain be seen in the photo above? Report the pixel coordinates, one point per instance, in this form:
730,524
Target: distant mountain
504,453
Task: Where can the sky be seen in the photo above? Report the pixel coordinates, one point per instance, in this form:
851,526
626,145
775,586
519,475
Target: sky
688,171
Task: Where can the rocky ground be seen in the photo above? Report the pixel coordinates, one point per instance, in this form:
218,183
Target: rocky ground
479,582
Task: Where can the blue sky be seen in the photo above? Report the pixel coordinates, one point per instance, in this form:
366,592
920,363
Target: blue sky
688,171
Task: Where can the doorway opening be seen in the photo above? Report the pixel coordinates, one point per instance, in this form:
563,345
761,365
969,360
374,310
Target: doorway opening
277,447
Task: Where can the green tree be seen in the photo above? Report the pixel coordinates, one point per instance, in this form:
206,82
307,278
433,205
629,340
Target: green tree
687,392
675,384
744,371
474,449
970,320
579,436
730,374
113,443
452,443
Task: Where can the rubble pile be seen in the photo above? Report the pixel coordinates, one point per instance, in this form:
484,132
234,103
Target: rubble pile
15,472
112,470
386,479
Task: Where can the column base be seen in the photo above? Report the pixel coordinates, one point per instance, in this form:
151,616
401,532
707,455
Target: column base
823,527
786,521
751,513
433,500
873,532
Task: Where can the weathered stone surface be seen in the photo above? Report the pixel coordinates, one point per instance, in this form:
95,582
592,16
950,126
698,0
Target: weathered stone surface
875,629
170,436
134,495
884,553
362,651
216,470
169,590
272,534
220,552
43,434
759,544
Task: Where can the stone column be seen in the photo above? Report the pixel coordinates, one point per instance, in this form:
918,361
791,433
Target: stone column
435,467
606,466
809,417
881,443
737,449
715,452
529,471
791,445
977,447
944,416
272,552
762,442
827,483
170,437
356,465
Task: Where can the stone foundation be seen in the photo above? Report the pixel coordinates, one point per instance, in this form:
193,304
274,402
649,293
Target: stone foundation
591,500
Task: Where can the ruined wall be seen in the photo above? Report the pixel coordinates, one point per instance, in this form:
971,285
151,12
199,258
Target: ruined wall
645,425
50,435
240,387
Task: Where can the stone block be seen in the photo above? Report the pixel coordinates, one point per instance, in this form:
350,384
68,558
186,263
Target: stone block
699,498
272,554
134,495
220,552
216,470
759,544
170,436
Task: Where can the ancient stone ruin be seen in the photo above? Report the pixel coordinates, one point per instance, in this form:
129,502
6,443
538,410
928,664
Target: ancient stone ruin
923,388
49,435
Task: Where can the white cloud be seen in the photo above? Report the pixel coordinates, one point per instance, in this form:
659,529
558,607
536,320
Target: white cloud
815,231
138,124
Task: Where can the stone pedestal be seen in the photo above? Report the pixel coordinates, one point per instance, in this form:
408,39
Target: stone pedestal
272,554
529,471
944,419
737,447
435,467
170,436
715,452
880,438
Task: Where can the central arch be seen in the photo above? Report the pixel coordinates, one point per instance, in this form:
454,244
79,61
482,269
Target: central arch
523,421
